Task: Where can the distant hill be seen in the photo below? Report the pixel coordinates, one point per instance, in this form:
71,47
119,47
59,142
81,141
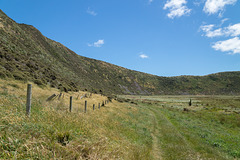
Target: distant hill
27,55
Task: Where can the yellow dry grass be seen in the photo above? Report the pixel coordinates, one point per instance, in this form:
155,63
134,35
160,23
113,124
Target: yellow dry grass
104,133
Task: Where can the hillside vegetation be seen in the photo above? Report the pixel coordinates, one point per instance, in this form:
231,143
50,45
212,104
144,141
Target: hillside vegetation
27,55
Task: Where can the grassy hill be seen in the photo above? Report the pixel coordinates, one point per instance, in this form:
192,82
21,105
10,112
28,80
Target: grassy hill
27,55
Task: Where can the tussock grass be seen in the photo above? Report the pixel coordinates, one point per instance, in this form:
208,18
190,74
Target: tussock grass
116,131
146,127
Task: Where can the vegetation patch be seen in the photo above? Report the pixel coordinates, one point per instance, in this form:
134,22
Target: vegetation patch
25,54
115,131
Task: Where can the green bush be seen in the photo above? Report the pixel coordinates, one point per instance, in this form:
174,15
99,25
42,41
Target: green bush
18,76
2,75
38,82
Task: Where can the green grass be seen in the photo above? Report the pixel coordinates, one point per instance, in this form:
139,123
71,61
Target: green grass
209,129
208,137
116,131
153,127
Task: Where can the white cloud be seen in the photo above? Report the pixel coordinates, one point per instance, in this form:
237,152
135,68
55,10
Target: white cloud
177,8
91,12
231,45
214,6
143,56
231,30
198,2
209,32
99,43
150,1
207,28
223,21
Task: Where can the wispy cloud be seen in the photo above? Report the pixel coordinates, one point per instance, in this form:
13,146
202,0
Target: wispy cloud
231,30
143,56
198,2
150,1
177,8
214,6
99,43
91,12
223,21
210,32
231,45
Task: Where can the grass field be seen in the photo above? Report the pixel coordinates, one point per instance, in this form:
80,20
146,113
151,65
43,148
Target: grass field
209,129
135,127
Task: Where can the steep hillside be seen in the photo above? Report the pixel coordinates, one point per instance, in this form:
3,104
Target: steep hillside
25,54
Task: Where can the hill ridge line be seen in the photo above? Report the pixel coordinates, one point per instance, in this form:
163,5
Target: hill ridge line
27,55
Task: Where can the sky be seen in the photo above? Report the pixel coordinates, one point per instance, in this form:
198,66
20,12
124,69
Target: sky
160,37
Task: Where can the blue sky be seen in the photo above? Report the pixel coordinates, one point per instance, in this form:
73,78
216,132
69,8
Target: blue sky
160,37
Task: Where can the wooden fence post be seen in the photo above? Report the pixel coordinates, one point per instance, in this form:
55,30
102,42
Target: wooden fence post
103,103
29,98
59,96
70,107
51,97
55,97
85,106
93,106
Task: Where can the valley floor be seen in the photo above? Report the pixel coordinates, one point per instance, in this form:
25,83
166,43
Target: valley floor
134,127
208,129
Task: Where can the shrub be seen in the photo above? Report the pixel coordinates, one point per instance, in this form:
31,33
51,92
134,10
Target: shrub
38,82
18,76
2,75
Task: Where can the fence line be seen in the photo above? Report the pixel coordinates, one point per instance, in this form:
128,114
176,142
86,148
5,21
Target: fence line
58,97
